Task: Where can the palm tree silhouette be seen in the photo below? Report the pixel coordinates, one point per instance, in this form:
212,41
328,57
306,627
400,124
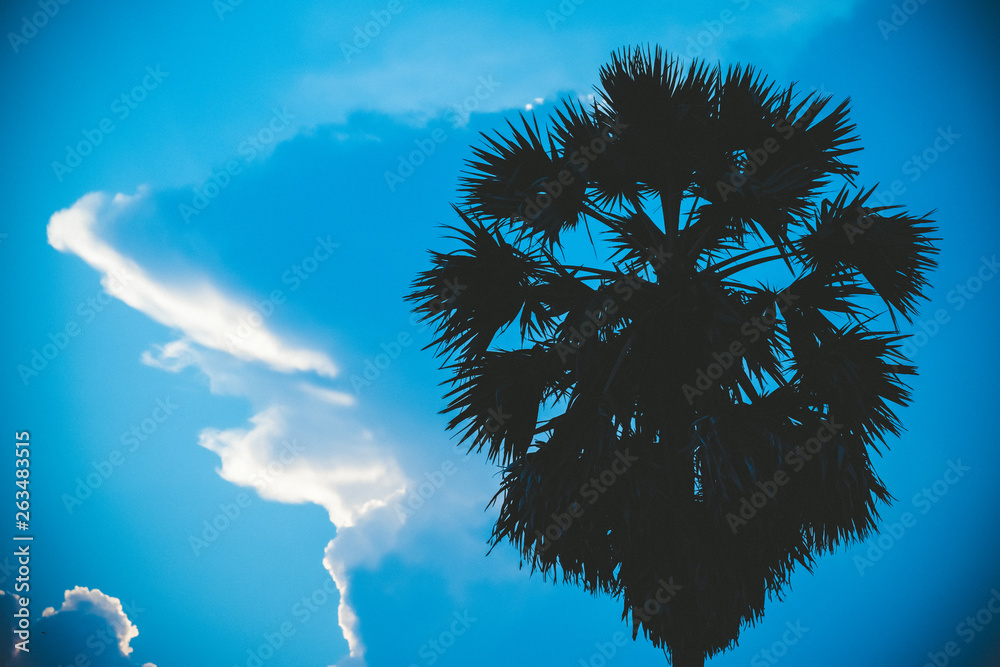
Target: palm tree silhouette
672,430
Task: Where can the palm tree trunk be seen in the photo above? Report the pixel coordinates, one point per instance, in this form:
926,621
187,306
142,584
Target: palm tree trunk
670,203
696,659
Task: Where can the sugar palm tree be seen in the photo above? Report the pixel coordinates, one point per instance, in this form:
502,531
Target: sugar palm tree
674,430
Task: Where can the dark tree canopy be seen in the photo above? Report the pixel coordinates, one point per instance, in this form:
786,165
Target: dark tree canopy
675,430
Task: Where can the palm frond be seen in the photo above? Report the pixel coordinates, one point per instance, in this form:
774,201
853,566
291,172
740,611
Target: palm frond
893,252
519,178
473,293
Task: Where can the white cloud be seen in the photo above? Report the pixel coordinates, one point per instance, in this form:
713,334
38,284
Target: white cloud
353,547
205,315
103,606
322,459
329,462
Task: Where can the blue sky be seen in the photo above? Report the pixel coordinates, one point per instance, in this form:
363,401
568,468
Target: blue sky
205,259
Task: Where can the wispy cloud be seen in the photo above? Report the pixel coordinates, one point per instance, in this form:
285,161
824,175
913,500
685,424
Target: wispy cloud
357,546
202,312
407,70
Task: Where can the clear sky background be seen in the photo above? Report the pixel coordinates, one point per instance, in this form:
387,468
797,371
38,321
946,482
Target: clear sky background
203,256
